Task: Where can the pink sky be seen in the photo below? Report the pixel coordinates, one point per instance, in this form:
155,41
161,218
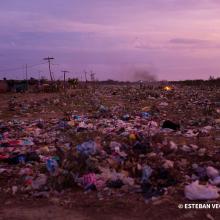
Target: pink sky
173,39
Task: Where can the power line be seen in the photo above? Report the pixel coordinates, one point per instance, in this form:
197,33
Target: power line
36,65
20,68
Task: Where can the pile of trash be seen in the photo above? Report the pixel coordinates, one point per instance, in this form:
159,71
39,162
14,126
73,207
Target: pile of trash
112,151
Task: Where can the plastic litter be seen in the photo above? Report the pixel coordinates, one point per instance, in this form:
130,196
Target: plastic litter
87,148
215,181
40,181
212,172
168,164
146,174
195,191
52,166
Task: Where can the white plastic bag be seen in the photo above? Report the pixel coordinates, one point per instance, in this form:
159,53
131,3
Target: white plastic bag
194,191
212,172
215,181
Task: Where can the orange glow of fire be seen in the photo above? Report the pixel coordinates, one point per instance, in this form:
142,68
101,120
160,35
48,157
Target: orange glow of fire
168,88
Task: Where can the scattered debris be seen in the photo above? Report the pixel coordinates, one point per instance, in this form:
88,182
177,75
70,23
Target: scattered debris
120,140
195,191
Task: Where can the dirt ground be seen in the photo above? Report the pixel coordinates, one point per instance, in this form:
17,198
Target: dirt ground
87,206
89,209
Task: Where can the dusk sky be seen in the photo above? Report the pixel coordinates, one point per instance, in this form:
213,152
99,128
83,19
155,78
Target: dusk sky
173,39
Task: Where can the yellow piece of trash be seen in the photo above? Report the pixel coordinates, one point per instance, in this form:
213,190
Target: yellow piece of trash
132,137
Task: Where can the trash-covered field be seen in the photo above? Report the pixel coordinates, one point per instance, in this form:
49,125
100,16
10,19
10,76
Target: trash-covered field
114,152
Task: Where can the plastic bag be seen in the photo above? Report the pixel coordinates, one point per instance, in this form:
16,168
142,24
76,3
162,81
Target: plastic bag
215,181
146,173
87,148
195,191
212,172
52,166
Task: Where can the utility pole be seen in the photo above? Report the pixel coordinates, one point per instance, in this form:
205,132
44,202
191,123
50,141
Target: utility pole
85,76
64,78
92,76
49,60
26,74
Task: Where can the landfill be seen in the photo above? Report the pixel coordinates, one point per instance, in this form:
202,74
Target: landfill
112,141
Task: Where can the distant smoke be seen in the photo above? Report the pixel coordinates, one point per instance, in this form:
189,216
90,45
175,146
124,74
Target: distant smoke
136,72
144,75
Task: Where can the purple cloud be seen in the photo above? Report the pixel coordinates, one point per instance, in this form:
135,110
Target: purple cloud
187,41
108,36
